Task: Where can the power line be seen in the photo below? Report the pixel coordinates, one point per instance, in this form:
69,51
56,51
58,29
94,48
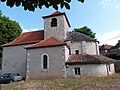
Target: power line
110,39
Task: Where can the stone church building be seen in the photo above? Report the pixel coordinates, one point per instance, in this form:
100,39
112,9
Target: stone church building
55,52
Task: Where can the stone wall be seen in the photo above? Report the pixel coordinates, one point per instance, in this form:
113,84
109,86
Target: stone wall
60,31
56,62
14,59
90,70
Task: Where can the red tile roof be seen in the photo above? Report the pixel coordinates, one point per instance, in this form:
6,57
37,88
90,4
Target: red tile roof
88,59
27,38
105,47
57,13
47,43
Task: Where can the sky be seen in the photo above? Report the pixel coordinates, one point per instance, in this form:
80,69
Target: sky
101,16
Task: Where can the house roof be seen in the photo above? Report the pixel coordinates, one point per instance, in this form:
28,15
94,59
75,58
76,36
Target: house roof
57,13
27,38
105,47
75,36
117,46
88,59
47,43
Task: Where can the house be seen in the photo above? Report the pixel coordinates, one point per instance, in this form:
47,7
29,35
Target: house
115,49
104,49
55,52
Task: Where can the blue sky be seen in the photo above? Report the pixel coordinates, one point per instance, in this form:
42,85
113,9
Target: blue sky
102,16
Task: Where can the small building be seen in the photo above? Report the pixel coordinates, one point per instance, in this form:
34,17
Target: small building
115,49
104,49
55,52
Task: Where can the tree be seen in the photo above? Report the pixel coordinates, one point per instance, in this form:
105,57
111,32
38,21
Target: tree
31,5
114,55
85,30
9,30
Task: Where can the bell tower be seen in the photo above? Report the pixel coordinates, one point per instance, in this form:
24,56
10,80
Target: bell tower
56,25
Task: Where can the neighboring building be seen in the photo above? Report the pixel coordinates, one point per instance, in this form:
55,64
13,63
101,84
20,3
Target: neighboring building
115,49
55,52
104,49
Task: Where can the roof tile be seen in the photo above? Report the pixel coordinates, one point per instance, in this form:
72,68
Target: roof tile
57,13
85,58
47,43
27,38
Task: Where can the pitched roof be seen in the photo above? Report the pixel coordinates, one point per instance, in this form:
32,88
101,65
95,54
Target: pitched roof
27,38
105,46
117,46
88,59
57,13
75,36
47,43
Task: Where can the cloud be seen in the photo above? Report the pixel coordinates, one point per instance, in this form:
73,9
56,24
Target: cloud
110,4
110,38
117,6
104,3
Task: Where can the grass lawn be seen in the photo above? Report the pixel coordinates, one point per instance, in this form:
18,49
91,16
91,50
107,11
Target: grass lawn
83,83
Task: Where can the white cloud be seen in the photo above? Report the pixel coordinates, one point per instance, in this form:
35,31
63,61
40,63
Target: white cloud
28,30
110,38
104,3
117,6
110,4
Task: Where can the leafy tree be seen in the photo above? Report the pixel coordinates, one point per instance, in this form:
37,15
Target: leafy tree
9,30
85,30
115,55
31,5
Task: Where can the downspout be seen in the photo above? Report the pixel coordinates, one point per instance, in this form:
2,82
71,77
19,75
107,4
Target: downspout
107,69
96,48
26,66
81,48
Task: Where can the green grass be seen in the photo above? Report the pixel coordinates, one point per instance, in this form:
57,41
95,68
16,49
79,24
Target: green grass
83,83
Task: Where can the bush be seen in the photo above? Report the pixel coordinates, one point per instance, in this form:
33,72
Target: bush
114,56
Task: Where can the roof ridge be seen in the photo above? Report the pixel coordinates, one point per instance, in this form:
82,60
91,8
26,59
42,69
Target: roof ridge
47,42
32,31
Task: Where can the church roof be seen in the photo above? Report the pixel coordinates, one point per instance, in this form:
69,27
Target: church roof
88,59
57,13
75,36
27,38
47,43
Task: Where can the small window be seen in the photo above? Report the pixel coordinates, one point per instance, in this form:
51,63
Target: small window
53,22
77,71
76,51
45,62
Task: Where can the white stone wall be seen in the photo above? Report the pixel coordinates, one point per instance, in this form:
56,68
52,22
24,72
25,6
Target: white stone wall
60,31
66,53
91,48
56,62
75,46
84,47
14,59
90,70
66,27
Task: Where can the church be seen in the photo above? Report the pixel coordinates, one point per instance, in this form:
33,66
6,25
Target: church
55,52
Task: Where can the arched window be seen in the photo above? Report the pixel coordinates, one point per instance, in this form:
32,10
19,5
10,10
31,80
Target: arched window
45,61
53,22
